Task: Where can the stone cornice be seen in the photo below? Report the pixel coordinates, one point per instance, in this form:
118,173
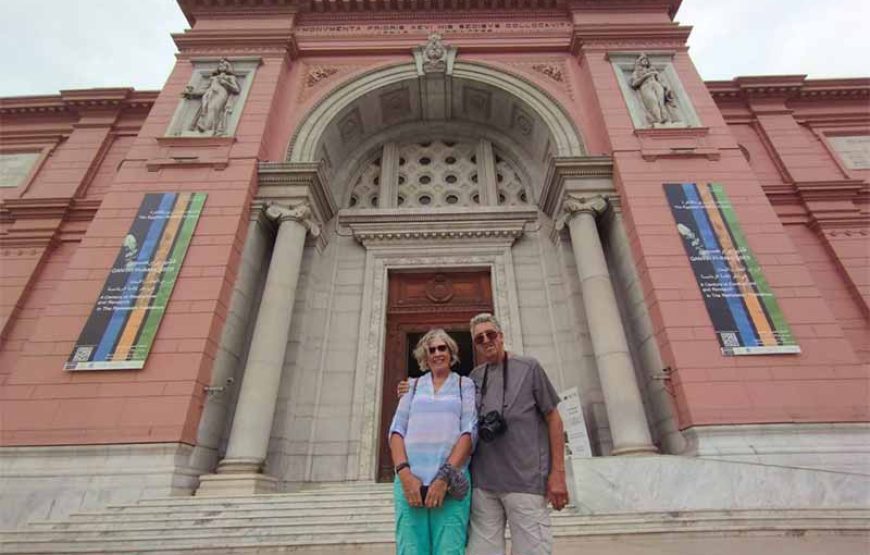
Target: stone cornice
36,223
788,87
236,41
563,169
415,226
629,36
72,101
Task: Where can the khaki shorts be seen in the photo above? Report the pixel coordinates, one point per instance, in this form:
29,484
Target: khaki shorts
527,515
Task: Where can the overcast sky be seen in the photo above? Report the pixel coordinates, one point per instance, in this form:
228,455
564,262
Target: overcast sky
49,45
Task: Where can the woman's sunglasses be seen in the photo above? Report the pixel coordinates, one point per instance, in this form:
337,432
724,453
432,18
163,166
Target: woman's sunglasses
437,349
488,335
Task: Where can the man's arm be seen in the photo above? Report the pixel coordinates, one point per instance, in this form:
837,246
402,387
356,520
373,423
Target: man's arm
557,488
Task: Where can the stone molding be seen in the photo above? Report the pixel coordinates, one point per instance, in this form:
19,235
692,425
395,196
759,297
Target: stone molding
293,182
501,225
826,446
304,146
266,42
629,36
583,175
494,255
788,87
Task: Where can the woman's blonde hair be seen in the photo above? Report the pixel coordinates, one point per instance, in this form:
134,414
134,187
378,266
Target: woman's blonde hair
422,349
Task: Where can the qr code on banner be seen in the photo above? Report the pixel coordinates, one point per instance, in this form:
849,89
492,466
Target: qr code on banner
729,339
82,354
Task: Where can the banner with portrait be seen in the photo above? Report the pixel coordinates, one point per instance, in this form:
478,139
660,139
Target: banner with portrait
122,325
744,311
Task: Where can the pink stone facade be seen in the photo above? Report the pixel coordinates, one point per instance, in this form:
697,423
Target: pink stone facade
767,139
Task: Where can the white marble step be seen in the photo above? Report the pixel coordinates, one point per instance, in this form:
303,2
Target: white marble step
343,519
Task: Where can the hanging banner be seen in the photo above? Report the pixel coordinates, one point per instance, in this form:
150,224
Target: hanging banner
125,318
745,314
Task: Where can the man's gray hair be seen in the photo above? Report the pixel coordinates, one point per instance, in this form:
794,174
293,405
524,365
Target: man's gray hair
422,348
484,318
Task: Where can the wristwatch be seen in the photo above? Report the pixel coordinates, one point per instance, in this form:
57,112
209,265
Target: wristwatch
401,466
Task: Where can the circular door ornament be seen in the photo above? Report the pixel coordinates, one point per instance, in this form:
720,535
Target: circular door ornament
439,289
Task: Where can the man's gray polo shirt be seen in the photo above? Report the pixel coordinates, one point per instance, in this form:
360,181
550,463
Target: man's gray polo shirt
518,461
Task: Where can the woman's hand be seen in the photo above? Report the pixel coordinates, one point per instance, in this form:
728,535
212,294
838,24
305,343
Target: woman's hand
436,493
411,486
402,387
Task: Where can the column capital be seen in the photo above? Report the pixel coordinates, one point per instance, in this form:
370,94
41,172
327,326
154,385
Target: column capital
571,206
300,213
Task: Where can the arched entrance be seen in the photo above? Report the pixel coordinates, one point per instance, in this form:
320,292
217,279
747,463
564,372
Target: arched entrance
437,174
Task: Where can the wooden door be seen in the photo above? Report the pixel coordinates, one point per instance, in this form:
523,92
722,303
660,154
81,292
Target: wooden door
416,303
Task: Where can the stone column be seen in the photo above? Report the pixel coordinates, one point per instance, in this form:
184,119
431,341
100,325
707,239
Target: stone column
228,361
625,412
241,470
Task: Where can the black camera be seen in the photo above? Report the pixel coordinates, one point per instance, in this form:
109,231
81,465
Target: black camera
491,425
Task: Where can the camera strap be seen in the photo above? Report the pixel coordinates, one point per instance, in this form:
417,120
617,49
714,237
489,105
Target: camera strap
503,385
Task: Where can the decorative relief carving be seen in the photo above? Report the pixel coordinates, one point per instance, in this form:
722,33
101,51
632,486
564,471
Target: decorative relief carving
351,127
552,70
439,289
396,105
217,95
318,73
522,121
213,99
652,91
657,98
434,55
476,103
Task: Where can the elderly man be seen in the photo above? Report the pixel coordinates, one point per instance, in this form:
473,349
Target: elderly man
519,464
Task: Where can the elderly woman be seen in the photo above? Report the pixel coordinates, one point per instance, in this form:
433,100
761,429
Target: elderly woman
431,439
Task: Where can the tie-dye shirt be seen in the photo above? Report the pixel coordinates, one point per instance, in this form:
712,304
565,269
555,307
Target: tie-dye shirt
431,422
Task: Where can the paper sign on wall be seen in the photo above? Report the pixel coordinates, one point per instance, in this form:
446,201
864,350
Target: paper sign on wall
571,412
744,311
122,325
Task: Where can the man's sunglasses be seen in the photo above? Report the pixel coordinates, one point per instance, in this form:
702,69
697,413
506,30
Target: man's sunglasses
437,349
489,335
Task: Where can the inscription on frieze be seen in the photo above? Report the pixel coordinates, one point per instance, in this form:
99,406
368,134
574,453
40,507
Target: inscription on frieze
518,27
854,150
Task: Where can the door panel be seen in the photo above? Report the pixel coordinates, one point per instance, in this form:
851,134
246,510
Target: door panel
418,302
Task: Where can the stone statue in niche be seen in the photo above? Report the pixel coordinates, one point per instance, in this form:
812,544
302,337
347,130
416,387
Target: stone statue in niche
217,98
658,100
434,55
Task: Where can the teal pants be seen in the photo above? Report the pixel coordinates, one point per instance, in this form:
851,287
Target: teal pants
422,531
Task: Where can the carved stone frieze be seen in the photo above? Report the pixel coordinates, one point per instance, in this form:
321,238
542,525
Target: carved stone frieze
318,73
553,70
462,226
